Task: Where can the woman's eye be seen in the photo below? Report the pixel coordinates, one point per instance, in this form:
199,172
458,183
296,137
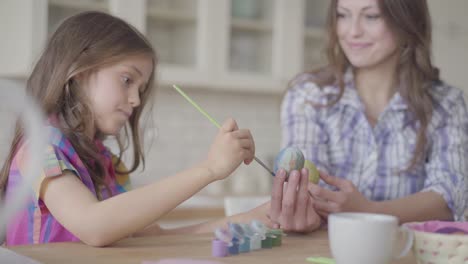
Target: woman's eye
340,15
372,17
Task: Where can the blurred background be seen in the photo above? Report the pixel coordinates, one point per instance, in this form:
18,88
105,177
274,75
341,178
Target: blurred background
233,57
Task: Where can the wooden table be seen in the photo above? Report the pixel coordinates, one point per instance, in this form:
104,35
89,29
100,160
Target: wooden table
295,249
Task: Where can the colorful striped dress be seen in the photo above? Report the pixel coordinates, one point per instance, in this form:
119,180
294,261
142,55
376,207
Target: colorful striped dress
34,223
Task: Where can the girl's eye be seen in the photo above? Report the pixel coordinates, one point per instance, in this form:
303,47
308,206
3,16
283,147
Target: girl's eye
126,80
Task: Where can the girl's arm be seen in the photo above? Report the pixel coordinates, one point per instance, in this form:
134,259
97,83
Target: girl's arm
100,223
259,213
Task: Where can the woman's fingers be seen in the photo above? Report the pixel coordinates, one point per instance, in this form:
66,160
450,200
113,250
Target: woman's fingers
323,214
342,184
327,206
291,205
289,201
312,215
277,195
325,194
289,198
302,200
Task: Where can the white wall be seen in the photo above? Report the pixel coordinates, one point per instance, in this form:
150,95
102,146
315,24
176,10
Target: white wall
8,112
450,37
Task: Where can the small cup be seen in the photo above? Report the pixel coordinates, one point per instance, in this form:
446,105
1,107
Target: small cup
219,248
357,238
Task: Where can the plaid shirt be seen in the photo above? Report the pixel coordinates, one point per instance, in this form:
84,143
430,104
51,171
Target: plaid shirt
34,223
341,142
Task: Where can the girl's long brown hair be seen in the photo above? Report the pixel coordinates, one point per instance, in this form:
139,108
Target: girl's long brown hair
410,21
82,44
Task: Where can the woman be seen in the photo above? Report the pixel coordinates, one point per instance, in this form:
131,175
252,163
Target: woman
386,133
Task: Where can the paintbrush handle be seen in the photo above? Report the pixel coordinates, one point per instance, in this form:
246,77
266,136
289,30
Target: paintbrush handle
214,122
264,166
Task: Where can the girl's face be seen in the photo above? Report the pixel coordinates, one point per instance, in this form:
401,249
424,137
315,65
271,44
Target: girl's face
363,34
114,92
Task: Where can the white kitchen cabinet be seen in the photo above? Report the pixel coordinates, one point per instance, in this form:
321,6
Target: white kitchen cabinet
233,45
58,10
23,32
314,34
450,35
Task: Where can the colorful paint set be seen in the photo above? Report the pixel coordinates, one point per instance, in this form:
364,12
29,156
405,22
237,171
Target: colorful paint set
243,238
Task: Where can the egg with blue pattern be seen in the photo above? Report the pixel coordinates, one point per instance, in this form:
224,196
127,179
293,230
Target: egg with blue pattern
289,159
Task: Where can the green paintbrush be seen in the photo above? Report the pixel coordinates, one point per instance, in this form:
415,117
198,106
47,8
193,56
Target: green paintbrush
214,121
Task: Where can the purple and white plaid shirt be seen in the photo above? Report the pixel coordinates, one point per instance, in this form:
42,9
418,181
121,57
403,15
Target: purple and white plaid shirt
341,142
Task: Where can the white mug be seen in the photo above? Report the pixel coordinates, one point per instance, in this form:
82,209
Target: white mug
361,238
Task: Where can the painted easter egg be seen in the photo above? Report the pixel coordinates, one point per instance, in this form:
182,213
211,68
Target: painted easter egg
313,172
289,159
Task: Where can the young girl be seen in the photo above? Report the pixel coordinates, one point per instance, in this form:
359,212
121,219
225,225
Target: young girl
93,81
387,134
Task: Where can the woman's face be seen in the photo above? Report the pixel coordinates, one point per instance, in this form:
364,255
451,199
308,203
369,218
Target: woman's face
363,34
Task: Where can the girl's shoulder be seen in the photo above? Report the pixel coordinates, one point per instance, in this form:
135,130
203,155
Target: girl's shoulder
57,137
55,140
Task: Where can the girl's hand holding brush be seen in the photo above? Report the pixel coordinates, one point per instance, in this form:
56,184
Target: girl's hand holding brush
230,148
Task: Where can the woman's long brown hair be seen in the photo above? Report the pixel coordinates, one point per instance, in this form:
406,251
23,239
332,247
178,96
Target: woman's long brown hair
410,21
82,44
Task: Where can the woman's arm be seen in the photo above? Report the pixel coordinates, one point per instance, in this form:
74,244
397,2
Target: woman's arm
421,206
418,207
446,164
